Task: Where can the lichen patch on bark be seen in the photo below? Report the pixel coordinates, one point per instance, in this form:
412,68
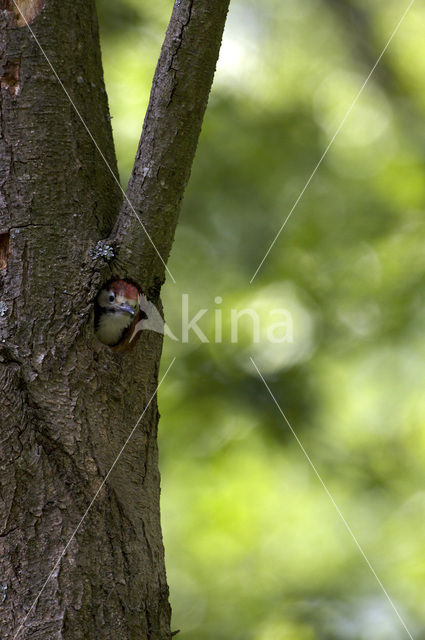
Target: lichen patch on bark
10,77
23,11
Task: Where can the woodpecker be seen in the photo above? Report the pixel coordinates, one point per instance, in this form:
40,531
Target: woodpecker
116,312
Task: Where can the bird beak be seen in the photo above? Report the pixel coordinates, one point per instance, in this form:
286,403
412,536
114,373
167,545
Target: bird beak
125,308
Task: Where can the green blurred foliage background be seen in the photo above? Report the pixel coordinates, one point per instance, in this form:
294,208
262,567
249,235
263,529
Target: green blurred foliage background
255,549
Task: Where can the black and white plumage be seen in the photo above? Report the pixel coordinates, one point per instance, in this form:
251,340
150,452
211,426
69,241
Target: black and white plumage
117,311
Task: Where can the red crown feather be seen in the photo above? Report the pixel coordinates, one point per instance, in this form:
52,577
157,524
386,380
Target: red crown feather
125,289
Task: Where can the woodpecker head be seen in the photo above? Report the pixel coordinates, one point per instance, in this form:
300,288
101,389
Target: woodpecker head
116,309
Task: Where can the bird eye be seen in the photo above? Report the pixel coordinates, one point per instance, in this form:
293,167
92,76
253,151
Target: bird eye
111,297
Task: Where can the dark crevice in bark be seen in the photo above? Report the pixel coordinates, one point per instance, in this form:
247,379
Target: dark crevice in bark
10,76
4,250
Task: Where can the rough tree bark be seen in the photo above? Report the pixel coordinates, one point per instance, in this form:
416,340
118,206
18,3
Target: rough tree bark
67,406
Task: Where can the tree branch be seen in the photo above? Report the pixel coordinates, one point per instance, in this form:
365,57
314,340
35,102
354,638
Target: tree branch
178,100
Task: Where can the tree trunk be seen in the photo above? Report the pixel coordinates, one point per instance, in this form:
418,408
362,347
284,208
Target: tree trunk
70,404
